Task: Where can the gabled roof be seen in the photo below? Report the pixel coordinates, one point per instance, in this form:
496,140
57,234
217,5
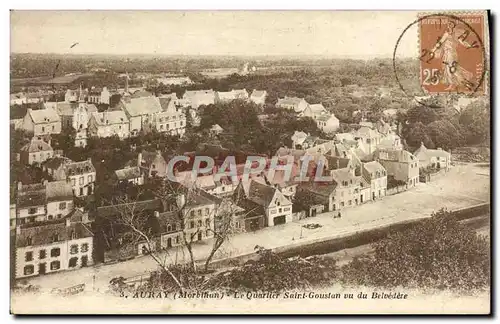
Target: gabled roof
259,193
374,168
36,145
110,117
55,162
81,167
166,103
326,117
150,158
430,152
43,116
128,173
335,162
142,106
43,233
216,128
321,188
340,175
317,108
395,155
365,131
59,190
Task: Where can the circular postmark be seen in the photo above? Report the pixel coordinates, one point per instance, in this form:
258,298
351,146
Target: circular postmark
452,56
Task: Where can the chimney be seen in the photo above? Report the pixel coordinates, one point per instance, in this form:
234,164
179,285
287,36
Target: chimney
181,200
139,159
19,185
68,222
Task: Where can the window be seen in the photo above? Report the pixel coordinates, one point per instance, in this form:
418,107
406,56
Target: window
55,237
29,241
207,211
43,129
342,204
207,222
81,180
174,227
42,254
177,239
280,210
85,247
192,213
154,167
28,256
199,223
72,262
53,127
350,202
62,205
55,265
199,212
237,224
182,123
287,209
32,211
29,270
191,224
169,228
55,252
73,181
89,178
161,126
273,211
74,249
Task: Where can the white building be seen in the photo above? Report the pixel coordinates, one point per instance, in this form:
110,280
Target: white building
63,244
109,123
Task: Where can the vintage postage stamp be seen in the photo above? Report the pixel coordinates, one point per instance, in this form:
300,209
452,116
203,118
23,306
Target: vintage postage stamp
452,53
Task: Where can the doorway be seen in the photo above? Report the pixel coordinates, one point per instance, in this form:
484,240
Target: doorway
169,242
85,260
278,220
42,268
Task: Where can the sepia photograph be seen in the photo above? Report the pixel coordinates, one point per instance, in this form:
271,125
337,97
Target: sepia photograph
250,162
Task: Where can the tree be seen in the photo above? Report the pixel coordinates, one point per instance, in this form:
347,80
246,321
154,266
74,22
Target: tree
437,253
136,222
444,134
475,120
417,134
422,114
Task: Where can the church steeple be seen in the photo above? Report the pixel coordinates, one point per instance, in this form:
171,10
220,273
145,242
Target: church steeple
81,97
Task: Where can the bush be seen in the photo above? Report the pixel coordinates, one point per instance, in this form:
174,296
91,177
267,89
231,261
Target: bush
438,253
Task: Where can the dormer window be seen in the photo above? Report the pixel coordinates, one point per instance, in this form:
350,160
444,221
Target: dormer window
29,241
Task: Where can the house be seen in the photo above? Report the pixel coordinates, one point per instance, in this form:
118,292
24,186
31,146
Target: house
314,111
199,97
130,175
36,151
168,225
277,208
312,194
42,122
81,174
438,159
399,164
295,104
52,246
370,138
141,113
278,180
43,201
391,141
109,123
347,191
31,202
76,95
152,164
328,123
198,214
258,97
175,80
216,130
171,119
59,199
375,175
224,97
227,208
298,139
105,96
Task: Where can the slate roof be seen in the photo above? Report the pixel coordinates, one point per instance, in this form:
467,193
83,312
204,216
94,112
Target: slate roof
110,117
342,175
372,168
143,106
431,153
395,155
321,188
59,190
259,193
165,102
36,145
43,116
43,233
335,162
128,173
80,167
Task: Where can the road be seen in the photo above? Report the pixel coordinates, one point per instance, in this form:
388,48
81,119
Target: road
464,185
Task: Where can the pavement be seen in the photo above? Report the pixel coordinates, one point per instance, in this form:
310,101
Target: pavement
464,185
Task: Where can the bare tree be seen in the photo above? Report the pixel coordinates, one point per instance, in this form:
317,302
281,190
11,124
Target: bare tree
130,215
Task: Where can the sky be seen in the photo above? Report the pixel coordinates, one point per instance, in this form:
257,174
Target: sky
357,34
